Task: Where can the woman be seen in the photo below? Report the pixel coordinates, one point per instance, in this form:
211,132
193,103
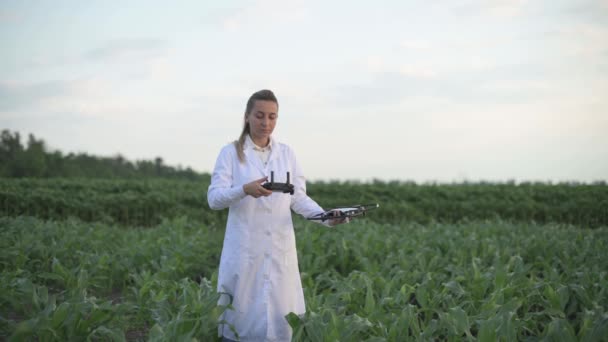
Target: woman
259,266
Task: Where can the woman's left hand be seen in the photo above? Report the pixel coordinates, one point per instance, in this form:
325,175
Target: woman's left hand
337,221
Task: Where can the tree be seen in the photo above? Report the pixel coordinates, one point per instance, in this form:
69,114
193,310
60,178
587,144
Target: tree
35,161
34,158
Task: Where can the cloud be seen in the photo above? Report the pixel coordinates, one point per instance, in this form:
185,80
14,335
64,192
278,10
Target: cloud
133,49
587,40
15,95
430,58
398,85
588,11
87,96
378,64
273,12
418,71
10,17
498,8
416,44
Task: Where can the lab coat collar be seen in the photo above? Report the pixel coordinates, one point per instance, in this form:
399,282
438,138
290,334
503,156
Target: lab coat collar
252,158
249,144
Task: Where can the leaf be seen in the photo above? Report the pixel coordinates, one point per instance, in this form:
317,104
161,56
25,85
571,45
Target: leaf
370,302
506,329
156,333
422,296
500,278
455,288
487,331
598,331
98,317
50,276
552,297
560,330
295,322
563,294
60,315
24,330
107,334
461,320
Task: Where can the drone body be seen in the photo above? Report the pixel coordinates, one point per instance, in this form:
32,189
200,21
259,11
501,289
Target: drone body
344,212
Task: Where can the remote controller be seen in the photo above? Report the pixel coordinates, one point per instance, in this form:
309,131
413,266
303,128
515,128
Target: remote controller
279,187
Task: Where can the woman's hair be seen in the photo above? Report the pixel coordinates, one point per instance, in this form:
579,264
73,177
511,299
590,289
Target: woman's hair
262,95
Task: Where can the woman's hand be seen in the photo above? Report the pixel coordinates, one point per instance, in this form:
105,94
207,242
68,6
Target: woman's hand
337,221
255,188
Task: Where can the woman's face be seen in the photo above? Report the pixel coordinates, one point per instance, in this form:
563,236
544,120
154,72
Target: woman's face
262,118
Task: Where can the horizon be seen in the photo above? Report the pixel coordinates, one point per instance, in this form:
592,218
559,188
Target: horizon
330,181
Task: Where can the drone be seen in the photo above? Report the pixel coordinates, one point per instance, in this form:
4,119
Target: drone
344,212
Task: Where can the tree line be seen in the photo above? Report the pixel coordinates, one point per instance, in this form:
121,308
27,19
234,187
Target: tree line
34,159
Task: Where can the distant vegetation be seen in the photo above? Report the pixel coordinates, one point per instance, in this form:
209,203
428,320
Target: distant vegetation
146,202
50,185
33,159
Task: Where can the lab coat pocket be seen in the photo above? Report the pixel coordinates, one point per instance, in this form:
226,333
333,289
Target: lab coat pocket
235,276
236,252
248,247
286,246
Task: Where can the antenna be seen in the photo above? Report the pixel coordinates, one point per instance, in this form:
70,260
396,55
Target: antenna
279,187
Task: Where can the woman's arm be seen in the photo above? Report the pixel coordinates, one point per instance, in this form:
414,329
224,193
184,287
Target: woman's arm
222,191
300,202
304,205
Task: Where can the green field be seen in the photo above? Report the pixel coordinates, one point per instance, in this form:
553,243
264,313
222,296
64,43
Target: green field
137,261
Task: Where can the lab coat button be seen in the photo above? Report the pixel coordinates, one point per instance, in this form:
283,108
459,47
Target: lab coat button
267,254
268,232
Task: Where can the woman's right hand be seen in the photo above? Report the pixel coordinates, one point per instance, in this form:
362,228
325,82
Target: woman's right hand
255,188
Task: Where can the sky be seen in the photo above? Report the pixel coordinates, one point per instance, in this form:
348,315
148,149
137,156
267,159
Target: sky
424,91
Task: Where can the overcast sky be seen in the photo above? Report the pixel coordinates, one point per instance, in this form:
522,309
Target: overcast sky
411,90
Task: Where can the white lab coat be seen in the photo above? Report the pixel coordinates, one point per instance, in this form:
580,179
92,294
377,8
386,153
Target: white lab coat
259,265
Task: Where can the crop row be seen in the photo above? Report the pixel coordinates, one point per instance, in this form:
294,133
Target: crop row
363,281
148,202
